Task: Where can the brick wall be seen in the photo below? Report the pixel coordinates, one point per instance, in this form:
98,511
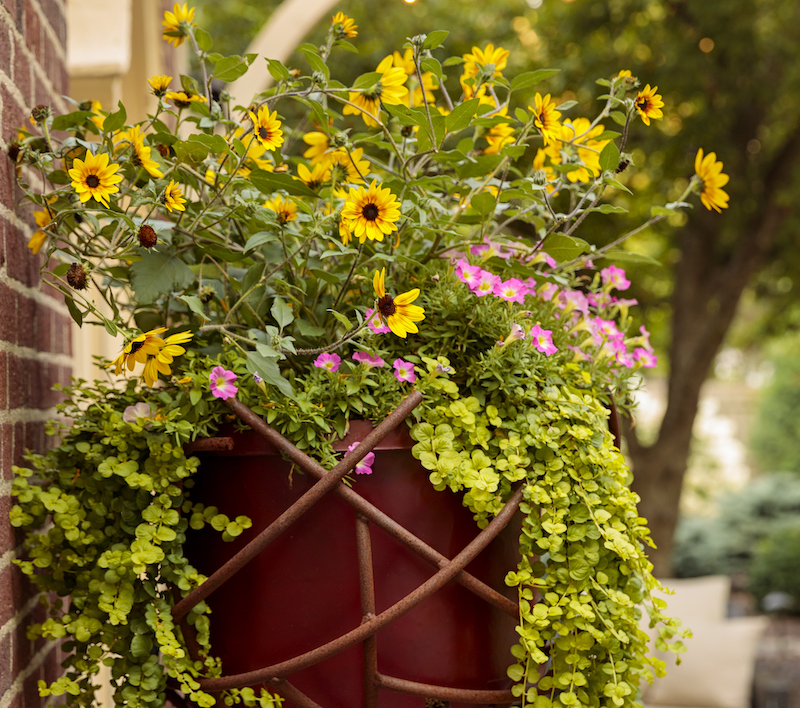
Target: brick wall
34,327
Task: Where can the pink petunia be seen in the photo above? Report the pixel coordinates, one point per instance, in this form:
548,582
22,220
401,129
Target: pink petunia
368,360
487,249
573,300
547,291
646,358
485,284
374,322
511,290
222,385
365,465
517,332
615,277
138,414
467,273
543,340
328,361
404,371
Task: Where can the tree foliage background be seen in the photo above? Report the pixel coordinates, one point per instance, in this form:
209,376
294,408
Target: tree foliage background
729,76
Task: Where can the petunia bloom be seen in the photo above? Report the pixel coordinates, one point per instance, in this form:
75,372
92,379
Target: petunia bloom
369,360
543,340
374,322
646,358
222,385
138,413
328,361
365,465
404,371
615,278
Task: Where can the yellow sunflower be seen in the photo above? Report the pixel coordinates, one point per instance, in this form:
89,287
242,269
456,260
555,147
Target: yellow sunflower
182,99
177,23
37,240
347,166
159,84
318,147
173,197
649,104
389,90
161,360
286,211
499,135
709,170
137,350
398,313
94,177
371,213
405,61
476,61
578,141
346,26
141,152
98,118
267,128
545,117
314,178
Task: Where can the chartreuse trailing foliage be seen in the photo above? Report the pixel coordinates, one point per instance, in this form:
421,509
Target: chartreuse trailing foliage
318,277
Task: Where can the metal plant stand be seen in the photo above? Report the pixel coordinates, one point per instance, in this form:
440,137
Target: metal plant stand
366,514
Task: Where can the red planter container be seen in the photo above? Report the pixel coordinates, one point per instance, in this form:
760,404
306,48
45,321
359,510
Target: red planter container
303,589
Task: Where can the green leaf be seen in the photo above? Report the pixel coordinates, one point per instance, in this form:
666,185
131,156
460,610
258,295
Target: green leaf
281,312
611,209
190,151
611,182
259,239
59,177
189,85
515,672
484,203
367,81
630,257
461,115
308,330
521,115
564,248
432,65
141,645
215,143
660,211
269,182
70,120
195,305
231,68
203,39
158,273
618,117
339,316
609,157
268,370
531,78
115,121
277,70
74,312
314,59
478,167
434,39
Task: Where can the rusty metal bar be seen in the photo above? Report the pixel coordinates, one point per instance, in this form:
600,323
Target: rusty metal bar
377,517
283,688
366,584
303,504
221,444
456,695
447,573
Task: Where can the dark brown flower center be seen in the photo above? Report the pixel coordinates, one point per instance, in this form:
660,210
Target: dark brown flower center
370,212
386,306
92,181
263,133
643,103
136,346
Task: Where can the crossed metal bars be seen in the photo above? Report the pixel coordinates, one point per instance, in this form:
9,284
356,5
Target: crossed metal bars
366,512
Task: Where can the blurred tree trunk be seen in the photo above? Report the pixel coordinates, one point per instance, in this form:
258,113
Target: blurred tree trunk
709,282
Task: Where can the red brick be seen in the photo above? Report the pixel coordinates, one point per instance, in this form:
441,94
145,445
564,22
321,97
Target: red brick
6,676
6,450
7,180
14,115
6,42
3,381
26,320
18,383
33,31
19,445
22,266
63,332
15,591
11,6
22,75
44,327
7,533
8,314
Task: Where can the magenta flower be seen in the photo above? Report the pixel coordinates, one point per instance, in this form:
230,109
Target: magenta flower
615,277
543,340
485,284
547,291
328,361
365,466
542,257
467,273
368,360
573,300
487,249
138,414
511,290
374,322
404,371
625,359
646,358
222,385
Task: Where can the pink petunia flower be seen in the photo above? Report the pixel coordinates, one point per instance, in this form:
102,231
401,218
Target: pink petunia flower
374,323
511,290
485,284
368,360
543,340
487,249
328,361
573,300
615,277
138,414
365,466
646,358
547,291
404,371
467,273
517,332
542,257
222,385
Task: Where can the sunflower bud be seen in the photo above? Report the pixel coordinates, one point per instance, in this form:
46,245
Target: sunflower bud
40,113
76,277
147,236
539,177
206,294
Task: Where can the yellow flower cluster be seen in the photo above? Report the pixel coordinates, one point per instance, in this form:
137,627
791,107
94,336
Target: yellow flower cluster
154,352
